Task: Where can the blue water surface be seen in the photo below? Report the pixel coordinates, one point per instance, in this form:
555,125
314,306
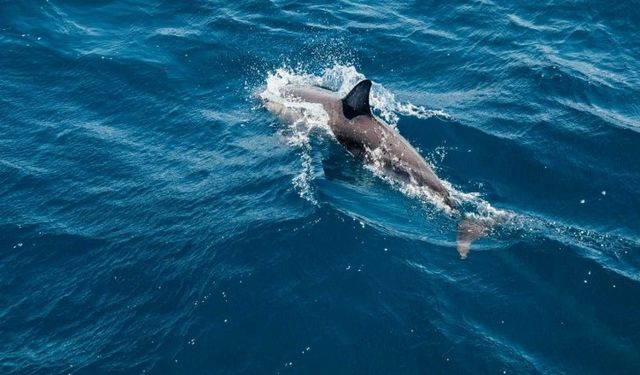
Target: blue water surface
154,217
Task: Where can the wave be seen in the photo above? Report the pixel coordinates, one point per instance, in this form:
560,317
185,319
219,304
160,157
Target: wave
510,226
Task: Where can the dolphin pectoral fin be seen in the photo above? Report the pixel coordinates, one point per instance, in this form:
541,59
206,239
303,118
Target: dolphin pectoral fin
356,102
469,230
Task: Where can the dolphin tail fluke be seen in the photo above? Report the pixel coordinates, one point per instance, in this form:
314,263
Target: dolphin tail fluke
470,229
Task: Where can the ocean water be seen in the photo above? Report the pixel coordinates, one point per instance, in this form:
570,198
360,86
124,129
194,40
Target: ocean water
155,218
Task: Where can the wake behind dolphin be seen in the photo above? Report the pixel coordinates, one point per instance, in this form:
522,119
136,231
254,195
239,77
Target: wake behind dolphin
376,144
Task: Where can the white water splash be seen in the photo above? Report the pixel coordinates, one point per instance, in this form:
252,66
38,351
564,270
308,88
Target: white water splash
309,118
302,181
343,78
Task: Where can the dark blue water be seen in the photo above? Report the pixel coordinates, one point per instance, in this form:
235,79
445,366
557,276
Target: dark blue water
154,218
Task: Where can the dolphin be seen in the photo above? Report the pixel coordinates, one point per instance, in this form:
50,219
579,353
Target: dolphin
374,142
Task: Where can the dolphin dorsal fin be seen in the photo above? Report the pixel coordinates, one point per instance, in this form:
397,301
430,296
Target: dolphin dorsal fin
356,102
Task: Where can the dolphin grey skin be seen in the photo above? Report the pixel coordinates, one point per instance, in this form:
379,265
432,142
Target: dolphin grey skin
373,142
